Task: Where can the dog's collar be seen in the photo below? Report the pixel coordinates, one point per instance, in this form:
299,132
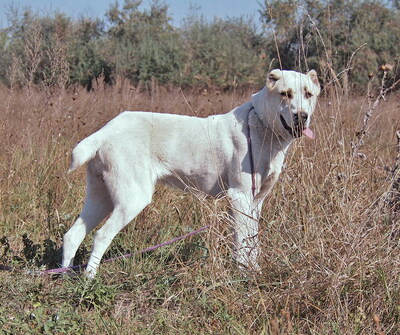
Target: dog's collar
250,149
266,126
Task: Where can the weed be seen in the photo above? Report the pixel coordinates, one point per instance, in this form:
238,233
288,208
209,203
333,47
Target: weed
92,293
39,321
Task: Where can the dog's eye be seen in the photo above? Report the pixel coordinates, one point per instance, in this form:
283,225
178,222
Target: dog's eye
286,94
308,95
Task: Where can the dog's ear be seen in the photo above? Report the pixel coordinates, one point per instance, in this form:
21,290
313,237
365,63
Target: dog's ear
314,77
273,77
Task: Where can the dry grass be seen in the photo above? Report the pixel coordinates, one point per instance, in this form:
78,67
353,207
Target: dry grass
330,255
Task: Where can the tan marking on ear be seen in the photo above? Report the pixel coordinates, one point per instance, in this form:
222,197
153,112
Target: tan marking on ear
273,77
314,76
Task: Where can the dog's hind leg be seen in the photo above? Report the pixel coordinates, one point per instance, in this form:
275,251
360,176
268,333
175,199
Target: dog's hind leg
129,202
96,207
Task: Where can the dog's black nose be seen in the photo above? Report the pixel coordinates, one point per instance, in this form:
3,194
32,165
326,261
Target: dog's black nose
300,118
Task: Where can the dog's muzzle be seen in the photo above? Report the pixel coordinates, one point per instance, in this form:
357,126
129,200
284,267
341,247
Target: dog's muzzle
298,124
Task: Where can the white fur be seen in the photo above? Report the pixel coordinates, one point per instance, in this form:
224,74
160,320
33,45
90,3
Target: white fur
136,150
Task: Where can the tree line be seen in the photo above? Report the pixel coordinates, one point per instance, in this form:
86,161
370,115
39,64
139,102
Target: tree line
347,42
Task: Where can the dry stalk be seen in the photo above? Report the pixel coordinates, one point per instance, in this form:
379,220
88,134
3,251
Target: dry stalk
340,86
392,197
33,53
12,76
57,79
373,102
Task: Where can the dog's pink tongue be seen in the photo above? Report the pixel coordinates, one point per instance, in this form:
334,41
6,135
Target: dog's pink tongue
309,133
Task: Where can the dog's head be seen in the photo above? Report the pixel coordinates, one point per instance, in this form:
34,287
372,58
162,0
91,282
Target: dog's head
288,101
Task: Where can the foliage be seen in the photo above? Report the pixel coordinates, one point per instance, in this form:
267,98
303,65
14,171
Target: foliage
85,58
92,293
222,53
143,43
346,41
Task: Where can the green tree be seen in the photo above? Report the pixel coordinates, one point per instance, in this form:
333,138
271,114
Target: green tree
31,40
345,40
222,53
143,45
86,58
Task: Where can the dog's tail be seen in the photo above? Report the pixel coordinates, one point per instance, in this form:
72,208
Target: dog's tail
84,151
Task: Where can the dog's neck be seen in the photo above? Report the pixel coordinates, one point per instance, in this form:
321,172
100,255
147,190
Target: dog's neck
259,101
270,136
267,133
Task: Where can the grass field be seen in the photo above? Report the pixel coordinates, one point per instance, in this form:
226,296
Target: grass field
330,234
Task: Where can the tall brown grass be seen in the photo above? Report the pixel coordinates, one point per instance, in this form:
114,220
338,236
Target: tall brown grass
330,244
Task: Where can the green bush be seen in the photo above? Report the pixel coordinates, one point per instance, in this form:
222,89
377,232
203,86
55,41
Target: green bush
346,41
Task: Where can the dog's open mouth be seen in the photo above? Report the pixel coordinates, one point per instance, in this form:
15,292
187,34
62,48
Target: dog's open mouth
297,130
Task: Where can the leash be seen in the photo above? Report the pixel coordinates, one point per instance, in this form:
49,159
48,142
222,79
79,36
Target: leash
83,266
250,148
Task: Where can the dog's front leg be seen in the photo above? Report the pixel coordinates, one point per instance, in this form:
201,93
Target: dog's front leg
245,215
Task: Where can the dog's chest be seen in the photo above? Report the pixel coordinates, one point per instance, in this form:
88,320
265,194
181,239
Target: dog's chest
270,175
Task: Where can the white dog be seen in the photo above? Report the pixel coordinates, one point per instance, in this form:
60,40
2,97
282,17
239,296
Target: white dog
239,155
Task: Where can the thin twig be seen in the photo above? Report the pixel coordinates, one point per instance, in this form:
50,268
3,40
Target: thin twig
392,197
372,104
